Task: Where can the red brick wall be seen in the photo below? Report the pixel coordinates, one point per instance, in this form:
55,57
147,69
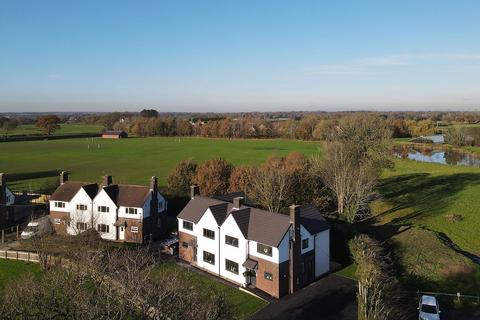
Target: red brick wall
186,253
64,217
276,287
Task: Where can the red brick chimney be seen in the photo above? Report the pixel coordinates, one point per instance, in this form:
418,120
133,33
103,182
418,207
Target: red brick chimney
63,177
194,191
107,180
295,249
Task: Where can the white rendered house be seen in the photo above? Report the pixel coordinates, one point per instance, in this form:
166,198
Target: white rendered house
273,252
126,213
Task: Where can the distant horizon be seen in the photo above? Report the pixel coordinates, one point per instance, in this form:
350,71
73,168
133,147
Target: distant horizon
241,111
211,56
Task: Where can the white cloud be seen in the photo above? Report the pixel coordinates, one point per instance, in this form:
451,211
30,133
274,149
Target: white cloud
333,69
405,59
55,76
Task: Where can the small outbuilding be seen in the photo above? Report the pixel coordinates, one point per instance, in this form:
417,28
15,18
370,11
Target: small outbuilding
114,135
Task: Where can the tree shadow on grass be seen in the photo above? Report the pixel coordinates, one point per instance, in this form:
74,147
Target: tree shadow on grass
425,194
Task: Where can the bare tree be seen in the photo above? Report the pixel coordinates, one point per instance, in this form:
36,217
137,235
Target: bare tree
376,294
351,182
270,185
112,284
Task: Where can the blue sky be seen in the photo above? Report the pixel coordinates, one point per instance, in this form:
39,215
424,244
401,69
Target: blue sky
239,55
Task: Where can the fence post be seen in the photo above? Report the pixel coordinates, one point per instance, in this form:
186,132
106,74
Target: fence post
17,231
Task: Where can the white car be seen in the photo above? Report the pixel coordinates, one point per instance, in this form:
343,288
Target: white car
428,308
37,227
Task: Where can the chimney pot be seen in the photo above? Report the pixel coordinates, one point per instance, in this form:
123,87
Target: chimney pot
3,179
63,177
238,202
194,191
107,180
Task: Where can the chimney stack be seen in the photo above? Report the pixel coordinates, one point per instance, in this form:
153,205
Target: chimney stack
154,191
3,189
154,184
194,191
63,177
295,248
238,202
107,180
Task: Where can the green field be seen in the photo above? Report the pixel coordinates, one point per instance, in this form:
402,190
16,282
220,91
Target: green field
427,194
31,129
135,160
12,269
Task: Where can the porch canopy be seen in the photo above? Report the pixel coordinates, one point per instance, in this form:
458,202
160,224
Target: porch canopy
250,264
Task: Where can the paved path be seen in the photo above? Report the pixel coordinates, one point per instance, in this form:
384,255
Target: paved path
332,297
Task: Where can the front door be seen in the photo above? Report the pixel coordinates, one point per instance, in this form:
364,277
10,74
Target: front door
121,233
252,277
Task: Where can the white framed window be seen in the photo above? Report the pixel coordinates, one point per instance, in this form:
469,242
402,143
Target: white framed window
59,204
82,226
131,210
305,243
57,221
104,228
82,207
187,225
231,266
160,206
208,257
231,241
103,209
134,229
207,233
264,249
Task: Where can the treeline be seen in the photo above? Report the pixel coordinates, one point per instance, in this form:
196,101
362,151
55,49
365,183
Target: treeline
308,128
311,126
343,180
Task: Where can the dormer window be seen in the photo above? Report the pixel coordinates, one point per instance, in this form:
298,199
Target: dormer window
131,210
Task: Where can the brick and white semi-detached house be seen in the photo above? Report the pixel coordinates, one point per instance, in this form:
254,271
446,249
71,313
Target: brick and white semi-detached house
275,253
124,213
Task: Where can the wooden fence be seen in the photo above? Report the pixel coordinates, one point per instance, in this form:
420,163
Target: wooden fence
19,255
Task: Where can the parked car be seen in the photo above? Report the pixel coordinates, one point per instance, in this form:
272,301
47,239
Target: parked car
428,308
37,227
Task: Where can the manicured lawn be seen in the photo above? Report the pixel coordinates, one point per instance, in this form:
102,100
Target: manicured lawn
243,303
28,129
135,160
12,269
